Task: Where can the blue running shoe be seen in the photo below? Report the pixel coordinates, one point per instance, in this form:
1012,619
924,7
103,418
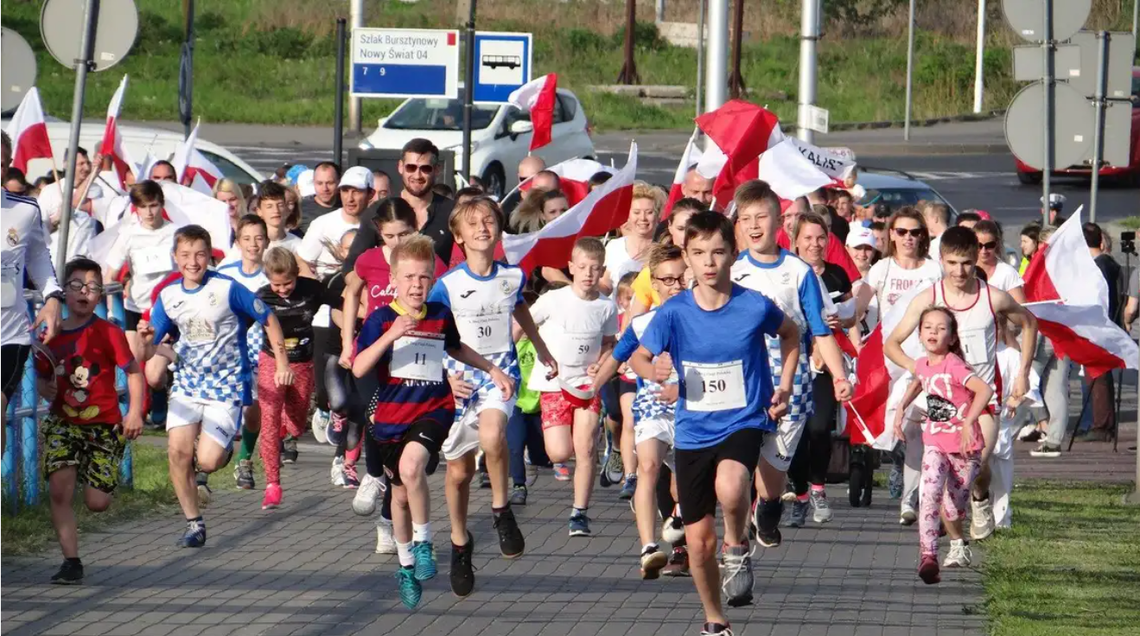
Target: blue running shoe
425,560
410,589
195,535
579,525
629,487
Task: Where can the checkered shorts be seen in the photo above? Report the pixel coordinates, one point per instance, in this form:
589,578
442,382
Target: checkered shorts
800,404
646,406
507,361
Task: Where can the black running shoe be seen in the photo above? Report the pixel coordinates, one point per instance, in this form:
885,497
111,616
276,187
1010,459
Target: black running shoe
511,542
289,452
462,572
70,573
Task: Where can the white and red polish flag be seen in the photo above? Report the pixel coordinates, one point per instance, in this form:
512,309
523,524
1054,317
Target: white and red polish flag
573,177
112,145
188,162
742,131
537,97
1068,295
603,210
28,132
689,159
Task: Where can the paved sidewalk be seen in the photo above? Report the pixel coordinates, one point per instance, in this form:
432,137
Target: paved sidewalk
309,568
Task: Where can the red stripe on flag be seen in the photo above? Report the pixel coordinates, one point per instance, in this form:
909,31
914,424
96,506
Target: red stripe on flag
872,387
32,143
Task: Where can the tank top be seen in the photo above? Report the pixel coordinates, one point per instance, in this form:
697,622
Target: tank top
977,333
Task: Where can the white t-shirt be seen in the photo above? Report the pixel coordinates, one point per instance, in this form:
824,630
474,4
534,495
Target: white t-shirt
619,262
1005,277
327,228
149,254
573,329
935,248
892,282
291,242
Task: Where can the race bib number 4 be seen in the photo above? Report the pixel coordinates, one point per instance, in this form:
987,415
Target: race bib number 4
486,334
715,386
417,359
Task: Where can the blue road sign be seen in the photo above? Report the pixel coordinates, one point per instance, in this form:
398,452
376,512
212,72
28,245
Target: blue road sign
503,63
405,63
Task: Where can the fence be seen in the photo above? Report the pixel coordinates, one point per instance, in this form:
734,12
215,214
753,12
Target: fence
21,472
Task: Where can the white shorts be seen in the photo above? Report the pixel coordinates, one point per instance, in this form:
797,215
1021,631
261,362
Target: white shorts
464,435
660,428
219,420
779,447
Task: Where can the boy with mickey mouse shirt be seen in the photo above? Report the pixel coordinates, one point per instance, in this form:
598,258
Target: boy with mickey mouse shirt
85,431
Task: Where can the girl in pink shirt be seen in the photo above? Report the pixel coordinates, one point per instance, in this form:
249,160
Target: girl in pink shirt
955,397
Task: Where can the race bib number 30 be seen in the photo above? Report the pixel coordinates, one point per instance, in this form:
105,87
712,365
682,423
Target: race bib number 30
486,334
417,359
714,387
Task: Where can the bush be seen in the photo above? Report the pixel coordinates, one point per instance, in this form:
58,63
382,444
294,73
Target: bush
585,40
286,43
645,36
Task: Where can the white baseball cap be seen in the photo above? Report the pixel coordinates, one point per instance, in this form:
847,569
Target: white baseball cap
859,236
357,177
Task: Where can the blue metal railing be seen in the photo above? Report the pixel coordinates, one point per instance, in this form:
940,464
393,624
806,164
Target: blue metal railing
21,469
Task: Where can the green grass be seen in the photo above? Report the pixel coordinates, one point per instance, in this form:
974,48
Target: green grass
1070,565
273,63
1130,222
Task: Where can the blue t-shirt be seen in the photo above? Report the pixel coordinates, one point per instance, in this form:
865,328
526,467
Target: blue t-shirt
722,362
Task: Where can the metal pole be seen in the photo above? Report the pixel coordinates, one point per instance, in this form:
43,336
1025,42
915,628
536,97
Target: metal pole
1103,38
909,72
1047,163
716,60
1136,23
469,92
338,105
628,73
660,11
356,16
82,65
979,57
736,81
1136,494
809,35
188,61
702,6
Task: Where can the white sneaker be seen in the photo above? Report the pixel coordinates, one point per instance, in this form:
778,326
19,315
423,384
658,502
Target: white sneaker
907,515
672,531
1026,431
982,519
370,491
959,556
320,424
336,474
385,542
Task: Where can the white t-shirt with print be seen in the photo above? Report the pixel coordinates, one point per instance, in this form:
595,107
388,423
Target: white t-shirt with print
573,329
1005,277
325,230
149,254
892,282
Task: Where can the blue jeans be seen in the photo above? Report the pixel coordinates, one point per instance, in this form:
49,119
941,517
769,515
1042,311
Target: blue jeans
524,431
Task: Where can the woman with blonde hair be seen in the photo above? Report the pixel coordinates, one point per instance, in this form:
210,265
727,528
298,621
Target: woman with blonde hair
630,252
229,192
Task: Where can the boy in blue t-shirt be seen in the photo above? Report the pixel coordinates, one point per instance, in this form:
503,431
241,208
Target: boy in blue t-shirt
715,334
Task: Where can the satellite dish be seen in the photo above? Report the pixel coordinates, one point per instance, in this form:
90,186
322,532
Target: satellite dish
116,26
1072,126
1027,17
19,69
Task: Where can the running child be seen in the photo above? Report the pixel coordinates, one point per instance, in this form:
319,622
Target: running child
715,335
951,436
252,238
402,346
617,397
211,313
84,430
581,324
524,428
484,296
273,208
794,286
294,301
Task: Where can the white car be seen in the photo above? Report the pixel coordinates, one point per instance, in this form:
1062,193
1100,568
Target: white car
138,141
500,135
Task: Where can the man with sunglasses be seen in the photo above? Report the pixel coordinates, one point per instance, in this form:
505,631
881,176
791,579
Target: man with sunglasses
417,168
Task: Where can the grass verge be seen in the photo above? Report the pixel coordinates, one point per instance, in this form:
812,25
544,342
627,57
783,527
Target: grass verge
1130,222
1070,565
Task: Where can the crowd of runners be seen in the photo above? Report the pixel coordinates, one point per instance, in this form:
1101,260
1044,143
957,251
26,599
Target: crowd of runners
706,351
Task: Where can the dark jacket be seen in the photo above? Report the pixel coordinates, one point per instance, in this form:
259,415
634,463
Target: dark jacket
436,228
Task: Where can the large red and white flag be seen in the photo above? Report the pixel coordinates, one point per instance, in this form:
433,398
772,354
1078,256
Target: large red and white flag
28,132
183,206
1068,295
603,210
689,159
742,131
112,145
537,97
189,163
573,177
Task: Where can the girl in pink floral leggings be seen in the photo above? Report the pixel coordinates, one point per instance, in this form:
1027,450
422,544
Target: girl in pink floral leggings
955,397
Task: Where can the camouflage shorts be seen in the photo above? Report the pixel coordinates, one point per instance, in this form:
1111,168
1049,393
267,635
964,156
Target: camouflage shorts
95,450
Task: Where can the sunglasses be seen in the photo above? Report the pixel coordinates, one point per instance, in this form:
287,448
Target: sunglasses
426,168
670,281
902,231
988,245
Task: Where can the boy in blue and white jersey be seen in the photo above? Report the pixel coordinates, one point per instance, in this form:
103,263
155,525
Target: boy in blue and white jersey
795,288
715,335
211,313
483,295
653,416
251,242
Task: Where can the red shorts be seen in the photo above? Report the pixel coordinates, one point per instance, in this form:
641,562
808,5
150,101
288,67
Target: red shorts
558,411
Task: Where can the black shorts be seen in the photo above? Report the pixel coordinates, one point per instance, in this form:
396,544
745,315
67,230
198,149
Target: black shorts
428,433
611,396
131,320
696,471
12,359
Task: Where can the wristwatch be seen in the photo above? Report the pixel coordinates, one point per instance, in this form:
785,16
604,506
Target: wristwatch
55,295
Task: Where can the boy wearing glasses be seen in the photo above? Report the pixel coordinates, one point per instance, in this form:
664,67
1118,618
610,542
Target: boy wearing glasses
84,431
795,288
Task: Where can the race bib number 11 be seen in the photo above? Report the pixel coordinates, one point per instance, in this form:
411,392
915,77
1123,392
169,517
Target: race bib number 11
417,359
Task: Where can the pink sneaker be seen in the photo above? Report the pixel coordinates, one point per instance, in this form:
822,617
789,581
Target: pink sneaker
273,497
351,480
928,569
562,472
